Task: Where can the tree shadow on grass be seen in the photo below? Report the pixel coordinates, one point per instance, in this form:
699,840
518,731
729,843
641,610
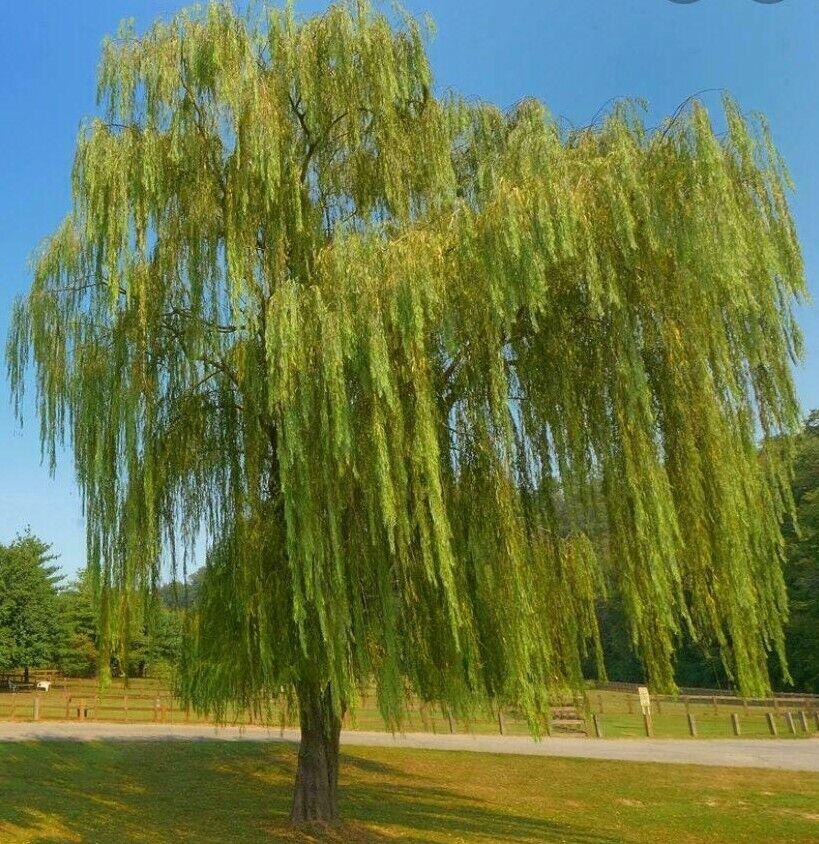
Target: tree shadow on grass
120,792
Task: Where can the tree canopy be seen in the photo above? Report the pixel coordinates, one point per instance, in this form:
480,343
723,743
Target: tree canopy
78,654
390,348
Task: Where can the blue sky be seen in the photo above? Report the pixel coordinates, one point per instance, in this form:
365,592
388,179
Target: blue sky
575,55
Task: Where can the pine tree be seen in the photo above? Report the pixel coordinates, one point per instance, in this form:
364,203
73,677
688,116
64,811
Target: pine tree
29,632
372,340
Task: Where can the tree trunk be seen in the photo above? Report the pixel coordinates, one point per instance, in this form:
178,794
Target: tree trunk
316,793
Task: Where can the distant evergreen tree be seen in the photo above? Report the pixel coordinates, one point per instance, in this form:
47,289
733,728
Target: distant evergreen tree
29,625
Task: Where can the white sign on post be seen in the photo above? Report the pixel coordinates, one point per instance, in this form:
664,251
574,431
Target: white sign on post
645,700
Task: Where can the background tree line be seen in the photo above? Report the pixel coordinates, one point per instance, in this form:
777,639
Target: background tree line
47,622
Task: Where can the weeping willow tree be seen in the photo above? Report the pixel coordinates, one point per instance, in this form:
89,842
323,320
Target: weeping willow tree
390,350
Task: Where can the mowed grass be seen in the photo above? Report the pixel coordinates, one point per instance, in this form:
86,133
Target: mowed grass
166,791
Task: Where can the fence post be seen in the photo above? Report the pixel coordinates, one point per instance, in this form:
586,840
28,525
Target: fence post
500,721
692,725
816,719
125,707
36,713
598,730
735,723
649,727
630,703
771,723
804,720
791,725
451,724
82,709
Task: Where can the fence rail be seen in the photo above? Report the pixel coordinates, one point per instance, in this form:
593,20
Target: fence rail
691,691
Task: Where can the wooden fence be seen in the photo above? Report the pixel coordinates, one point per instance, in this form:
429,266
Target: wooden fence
601,712
81,704
700,713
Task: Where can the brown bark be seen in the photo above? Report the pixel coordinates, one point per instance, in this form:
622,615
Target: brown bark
315,799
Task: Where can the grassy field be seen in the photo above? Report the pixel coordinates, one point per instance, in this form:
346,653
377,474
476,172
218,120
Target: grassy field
618,713
110,793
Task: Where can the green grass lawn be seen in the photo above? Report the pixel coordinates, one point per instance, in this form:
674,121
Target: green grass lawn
114,792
